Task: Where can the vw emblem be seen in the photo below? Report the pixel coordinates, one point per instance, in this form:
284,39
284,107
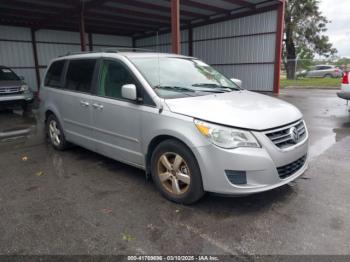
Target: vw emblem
294,134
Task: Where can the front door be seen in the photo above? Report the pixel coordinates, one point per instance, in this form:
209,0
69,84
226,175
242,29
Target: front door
117,121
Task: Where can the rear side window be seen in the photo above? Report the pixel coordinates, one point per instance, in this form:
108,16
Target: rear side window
53,76
324,67
80,74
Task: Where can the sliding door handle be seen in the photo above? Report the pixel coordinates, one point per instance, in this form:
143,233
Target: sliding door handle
98,106
84,103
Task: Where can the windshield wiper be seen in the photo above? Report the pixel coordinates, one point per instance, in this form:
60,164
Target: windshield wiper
175,88
183,90
216,86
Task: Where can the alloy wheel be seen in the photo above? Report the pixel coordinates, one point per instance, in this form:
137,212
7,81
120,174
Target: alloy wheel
55,133
174,173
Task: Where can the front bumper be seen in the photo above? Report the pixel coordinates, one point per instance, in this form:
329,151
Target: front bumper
344,95
16,99
259,164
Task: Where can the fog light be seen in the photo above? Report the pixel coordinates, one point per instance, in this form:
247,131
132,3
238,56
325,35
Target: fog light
236,177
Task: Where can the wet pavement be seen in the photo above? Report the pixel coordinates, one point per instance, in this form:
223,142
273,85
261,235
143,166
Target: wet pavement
78,202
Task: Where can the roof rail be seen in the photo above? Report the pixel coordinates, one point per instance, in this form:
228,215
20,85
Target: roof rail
110,50
125,49
78,53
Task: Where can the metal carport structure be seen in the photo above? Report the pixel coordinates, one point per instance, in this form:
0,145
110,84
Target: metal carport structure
242,38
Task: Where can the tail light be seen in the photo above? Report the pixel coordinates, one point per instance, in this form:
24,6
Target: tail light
37,95
346,78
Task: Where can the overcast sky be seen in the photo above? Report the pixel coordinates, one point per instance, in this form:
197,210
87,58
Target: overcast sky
339,28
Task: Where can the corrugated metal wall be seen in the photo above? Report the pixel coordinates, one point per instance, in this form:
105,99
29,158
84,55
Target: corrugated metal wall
243,48
110,41
162,43
53,43
16,52
16,49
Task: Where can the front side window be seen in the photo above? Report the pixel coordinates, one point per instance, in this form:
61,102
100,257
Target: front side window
173,77
53,75
113,76
7,74
80,74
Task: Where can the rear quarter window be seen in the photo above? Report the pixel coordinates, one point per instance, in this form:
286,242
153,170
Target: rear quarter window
54,73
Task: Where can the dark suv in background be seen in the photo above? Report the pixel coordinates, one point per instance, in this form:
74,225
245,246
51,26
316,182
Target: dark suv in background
13,90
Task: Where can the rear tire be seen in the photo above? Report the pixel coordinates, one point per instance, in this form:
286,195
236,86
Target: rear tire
55,133
176,173
328,76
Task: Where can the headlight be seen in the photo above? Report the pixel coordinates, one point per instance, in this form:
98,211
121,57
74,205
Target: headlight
226,137
24,88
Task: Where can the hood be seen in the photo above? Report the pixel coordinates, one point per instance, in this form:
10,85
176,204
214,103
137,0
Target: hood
13,83
242,109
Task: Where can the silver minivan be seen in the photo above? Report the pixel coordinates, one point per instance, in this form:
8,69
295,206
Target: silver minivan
190,128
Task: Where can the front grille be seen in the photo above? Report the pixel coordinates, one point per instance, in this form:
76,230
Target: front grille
284,137
290,169
9,90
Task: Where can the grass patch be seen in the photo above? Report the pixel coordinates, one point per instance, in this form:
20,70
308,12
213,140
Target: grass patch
331,83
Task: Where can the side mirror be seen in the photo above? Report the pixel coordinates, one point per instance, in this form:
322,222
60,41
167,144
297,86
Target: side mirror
21,77
129,92
237,82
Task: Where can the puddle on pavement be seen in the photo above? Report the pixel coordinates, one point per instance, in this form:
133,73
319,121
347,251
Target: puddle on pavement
325,135
16,127
326,116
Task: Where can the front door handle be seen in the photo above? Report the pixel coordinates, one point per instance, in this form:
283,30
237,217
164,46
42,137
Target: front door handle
97,106
84,103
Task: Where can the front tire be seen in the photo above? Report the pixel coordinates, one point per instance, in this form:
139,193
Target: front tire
55,133
176,173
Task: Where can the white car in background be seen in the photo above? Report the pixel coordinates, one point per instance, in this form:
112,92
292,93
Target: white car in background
325,71
345,87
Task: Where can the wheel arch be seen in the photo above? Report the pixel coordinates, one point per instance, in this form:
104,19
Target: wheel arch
53,111
48,113
155,141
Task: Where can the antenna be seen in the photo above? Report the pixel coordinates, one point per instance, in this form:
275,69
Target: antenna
157,43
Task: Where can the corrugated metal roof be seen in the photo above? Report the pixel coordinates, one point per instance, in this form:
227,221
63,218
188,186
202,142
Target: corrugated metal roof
119,17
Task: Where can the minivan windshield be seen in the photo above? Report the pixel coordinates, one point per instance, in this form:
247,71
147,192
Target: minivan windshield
173,77
7,74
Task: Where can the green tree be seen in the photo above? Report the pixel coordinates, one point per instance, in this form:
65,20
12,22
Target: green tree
343,63
304,28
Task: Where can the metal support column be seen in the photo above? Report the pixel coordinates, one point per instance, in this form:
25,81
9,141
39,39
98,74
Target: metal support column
190,41
82,29
175,27
91,43
35,55
279,45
